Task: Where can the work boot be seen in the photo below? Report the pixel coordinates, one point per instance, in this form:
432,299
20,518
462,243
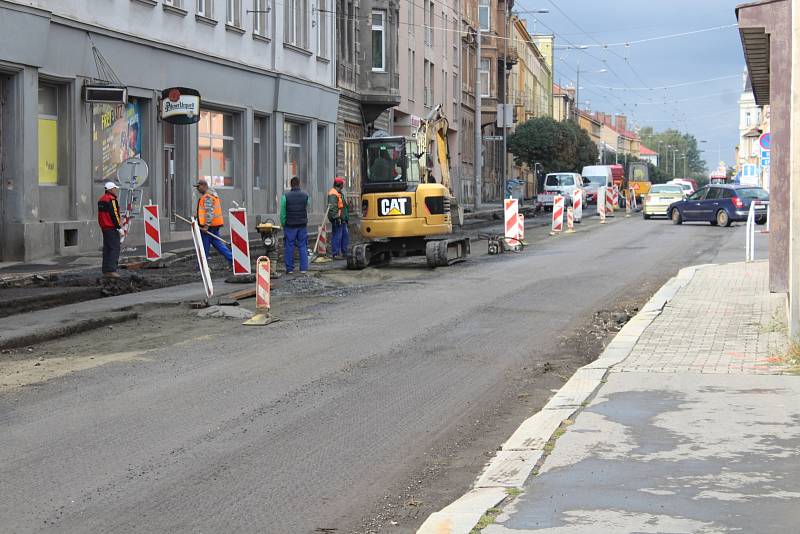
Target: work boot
112,275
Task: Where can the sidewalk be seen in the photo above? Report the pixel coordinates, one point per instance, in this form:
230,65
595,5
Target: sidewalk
687,423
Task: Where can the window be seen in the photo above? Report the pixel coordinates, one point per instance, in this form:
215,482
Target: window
428,24
713,193
205,8
260,19
411,22
378,44
48,134
484,18
216,148
486,86
428,81
261,154
410,80
445,81
294,154
413,71
295,26
116,135
747,119
322,28
352,155
234,13
174,3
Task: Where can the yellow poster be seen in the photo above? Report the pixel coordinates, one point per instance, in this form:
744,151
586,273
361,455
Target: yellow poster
48,151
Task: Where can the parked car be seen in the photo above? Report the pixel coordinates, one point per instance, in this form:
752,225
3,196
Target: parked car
686,185
721,205
560,183
597,176
660,198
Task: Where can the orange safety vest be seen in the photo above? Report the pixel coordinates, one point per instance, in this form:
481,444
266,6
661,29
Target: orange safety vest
209,203
340,198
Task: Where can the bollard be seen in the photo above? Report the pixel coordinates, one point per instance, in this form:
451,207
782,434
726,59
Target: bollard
601,204
570,221
628,205
262,316
152,233
750,235
558,215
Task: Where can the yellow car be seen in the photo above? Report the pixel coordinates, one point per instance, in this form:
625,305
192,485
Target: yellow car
660,197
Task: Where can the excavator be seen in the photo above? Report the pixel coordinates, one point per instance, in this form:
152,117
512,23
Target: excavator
405,211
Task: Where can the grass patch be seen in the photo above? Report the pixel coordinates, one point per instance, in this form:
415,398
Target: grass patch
486,520
513,491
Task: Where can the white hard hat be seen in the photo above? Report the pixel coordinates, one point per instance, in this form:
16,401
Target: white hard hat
111,185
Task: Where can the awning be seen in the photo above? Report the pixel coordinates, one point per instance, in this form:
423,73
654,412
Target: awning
755,43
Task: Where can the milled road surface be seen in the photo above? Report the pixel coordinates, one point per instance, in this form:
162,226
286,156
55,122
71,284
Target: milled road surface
302,426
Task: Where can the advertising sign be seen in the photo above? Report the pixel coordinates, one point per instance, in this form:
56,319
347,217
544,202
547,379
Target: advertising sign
180,105
48,151
116,136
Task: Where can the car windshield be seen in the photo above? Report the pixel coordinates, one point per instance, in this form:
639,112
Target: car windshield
597,180
753,192
664,189
687,187
560,179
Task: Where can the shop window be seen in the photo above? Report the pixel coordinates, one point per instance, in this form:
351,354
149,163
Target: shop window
378,41
295,154
216,148
116,136
260,153
48,135
260,19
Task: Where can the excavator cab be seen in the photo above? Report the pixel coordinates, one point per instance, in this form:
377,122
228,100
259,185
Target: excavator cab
389,164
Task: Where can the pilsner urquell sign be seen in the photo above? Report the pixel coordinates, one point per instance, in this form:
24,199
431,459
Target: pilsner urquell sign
180,105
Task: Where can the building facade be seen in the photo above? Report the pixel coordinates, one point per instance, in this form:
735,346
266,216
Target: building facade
265,73
751,117
367,76
563,103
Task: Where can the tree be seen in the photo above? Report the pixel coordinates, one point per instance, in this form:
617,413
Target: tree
669,141
557,146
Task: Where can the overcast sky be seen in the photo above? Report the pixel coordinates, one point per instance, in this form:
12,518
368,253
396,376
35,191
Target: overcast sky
707,110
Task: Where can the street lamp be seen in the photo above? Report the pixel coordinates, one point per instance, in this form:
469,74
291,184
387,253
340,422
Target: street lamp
666,159
578,86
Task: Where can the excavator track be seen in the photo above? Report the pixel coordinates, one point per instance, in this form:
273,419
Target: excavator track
444,252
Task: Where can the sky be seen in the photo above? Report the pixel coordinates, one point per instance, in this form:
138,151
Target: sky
636,73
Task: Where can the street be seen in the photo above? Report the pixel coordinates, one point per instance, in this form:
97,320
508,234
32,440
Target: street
363,410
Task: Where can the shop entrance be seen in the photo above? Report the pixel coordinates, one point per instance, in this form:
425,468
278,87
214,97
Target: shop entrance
175,185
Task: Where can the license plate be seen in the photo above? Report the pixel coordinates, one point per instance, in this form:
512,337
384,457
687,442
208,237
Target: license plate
760,207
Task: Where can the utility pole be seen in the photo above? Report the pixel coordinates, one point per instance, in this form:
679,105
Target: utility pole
504,177
478,159
684,165
674,168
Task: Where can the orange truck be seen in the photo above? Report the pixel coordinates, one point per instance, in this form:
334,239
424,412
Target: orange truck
639,180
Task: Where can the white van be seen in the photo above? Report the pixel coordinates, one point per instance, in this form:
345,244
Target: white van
597,176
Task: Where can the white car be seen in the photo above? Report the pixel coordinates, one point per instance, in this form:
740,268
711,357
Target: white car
686,185
560,183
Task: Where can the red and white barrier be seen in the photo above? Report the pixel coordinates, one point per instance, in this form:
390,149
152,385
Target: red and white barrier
152,233
240,244
263,286
577,205
570,220
601,204
202,263
511,212
609,202
616,197
521,231
558,214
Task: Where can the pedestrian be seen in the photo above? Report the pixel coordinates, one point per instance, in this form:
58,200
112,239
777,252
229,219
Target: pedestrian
210,220
294,219
339,215
111,225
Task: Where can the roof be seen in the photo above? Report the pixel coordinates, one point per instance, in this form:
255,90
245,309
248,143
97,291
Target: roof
644,151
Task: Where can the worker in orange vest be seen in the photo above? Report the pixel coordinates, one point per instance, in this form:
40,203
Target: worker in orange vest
209,217
339,215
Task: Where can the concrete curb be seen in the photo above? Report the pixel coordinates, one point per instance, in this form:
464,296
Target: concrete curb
524,450
68,328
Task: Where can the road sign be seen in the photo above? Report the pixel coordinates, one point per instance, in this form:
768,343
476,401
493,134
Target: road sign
492,137
765,140
132,173
765,158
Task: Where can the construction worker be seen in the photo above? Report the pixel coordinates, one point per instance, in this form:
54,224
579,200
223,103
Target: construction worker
339,215
111,225
209,217
294,219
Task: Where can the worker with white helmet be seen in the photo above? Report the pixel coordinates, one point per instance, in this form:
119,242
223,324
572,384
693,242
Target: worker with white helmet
111,225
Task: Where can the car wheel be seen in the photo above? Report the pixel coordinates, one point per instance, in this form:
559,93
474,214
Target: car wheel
676,216
761,222
713,223
723,219
645,216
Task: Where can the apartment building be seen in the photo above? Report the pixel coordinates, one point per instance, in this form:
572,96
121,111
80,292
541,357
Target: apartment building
563,103
437,65
367,75
267,111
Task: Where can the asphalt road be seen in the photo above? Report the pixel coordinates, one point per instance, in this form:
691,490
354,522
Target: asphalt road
304,425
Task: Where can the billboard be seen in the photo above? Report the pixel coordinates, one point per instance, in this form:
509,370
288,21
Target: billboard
116,136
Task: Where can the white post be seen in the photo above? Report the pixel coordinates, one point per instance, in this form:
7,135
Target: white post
750,234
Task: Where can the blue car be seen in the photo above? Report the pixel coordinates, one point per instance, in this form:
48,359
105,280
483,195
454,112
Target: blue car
721,204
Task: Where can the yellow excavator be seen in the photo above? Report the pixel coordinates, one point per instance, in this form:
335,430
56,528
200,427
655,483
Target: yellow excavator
405,211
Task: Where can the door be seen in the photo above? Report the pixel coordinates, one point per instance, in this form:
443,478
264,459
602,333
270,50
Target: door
710,204
693,205
3,211
169,183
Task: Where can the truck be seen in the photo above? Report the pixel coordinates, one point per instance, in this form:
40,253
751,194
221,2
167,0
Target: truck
639,180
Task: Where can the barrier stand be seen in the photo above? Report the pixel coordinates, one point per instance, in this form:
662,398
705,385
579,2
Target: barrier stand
634,200
511,216
521,232
320,252
558,215
152,233
601,204
609,202
202,263
628,205
262,316
240,244
616,198
570,221
577,205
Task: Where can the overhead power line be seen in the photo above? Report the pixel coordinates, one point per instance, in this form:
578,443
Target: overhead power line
683,84
657,38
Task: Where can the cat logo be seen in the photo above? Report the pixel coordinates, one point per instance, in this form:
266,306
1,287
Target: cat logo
395,206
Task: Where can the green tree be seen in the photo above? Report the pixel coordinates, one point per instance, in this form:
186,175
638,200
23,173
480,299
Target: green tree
557,146
671,145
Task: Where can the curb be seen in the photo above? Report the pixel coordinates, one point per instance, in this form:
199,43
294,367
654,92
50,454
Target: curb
67,329
525,449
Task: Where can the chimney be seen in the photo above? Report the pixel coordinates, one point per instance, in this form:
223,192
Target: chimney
622,123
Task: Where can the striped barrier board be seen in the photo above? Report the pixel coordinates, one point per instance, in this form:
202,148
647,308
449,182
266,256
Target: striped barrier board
152,233
601,204
202,263
577,205
262,283
521,232
558,215
240,244
609,202
570,220
511,212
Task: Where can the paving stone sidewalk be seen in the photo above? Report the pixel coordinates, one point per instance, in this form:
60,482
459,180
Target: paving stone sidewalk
696,431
